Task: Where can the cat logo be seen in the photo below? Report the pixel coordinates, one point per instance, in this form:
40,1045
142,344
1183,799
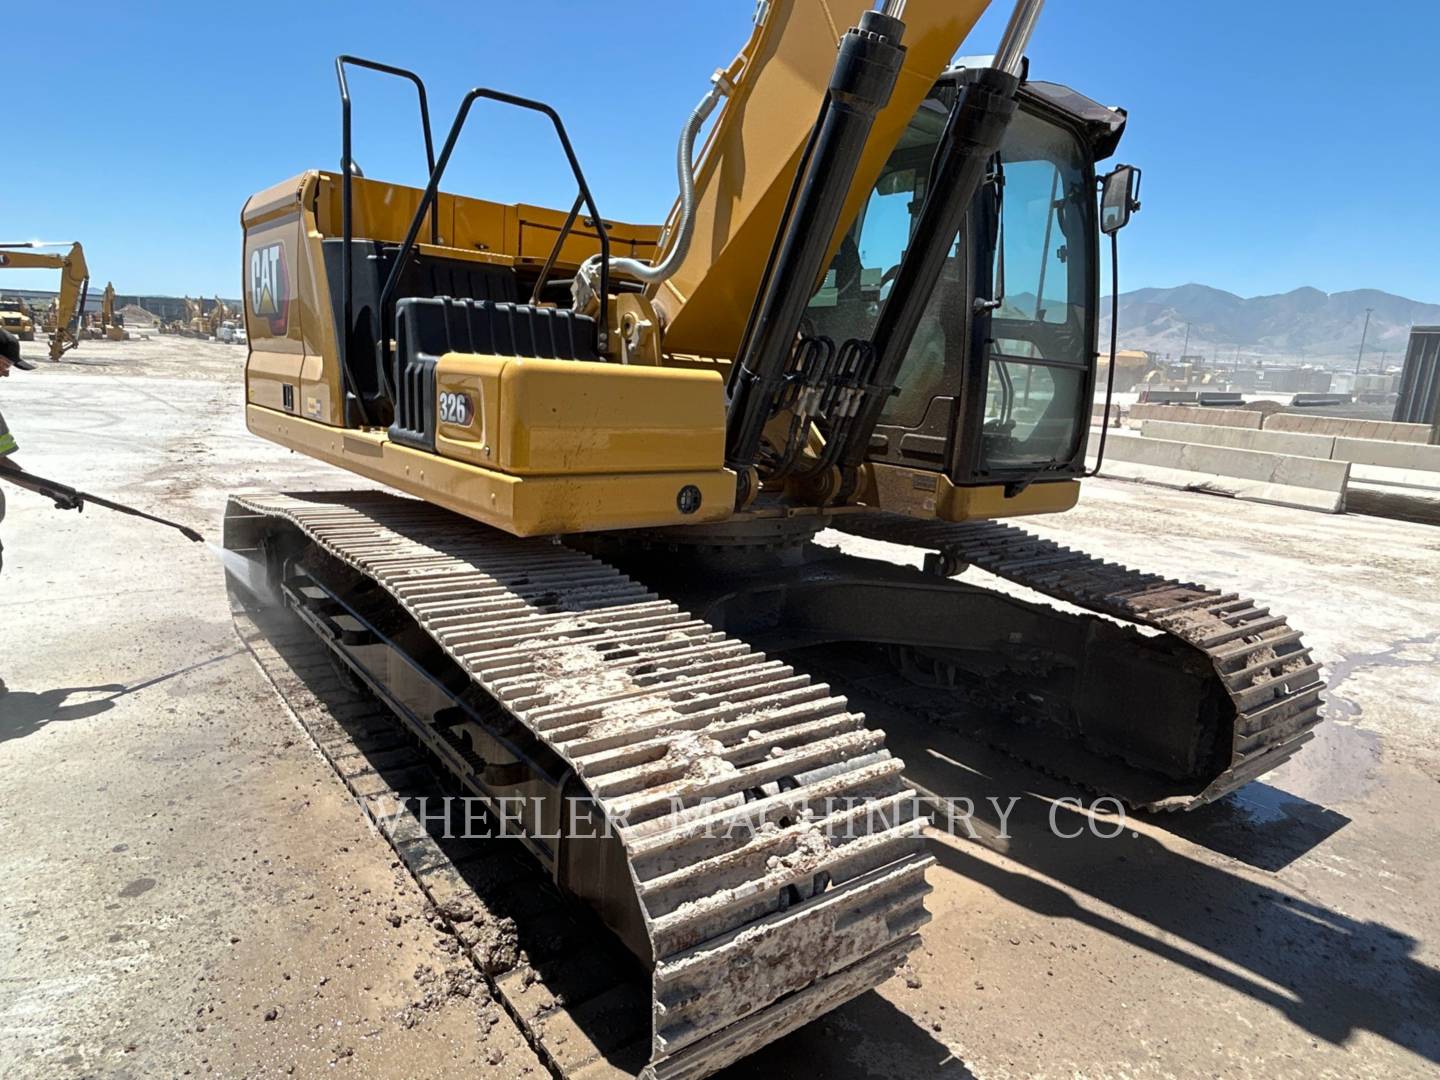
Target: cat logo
270,287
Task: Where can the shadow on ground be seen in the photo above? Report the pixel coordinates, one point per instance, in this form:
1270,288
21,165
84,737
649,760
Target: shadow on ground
24,712
1259,825
1339,974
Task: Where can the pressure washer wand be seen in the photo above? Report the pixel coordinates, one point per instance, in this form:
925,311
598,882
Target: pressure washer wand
68,498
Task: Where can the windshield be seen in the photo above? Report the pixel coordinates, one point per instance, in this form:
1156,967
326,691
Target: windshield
1040,348
1041,267
863,270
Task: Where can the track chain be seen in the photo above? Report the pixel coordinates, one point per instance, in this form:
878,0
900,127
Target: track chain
1272,679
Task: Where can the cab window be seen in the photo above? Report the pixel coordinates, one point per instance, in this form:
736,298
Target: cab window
1039,348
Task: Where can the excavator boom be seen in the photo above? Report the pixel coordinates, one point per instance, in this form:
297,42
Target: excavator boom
74,284
775,88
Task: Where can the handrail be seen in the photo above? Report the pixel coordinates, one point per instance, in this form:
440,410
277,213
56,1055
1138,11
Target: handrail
554,255
347,168
387,294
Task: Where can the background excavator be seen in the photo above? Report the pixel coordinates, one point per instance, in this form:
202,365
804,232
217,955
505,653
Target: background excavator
194,324
74,284
874,308
106,324
217,317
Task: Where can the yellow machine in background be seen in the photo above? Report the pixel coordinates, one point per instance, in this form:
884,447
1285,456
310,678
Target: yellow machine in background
64,321
112,323
218,315
194,324
106,324
107,309
873,308
200,322
1131,368
17,317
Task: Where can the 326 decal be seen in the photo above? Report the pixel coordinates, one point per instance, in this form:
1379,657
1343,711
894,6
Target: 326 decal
455,409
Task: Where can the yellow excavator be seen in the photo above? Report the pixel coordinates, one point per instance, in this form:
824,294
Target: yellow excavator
65,321
194,324
106,324
218,315
874,308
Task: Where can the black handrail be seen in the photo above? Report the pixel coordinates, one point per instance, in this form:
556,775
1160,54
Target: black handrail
554,255
387,294
347,167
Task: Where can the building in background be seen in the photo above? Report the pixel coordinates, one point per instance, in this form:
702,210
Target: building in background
165,308
1418,399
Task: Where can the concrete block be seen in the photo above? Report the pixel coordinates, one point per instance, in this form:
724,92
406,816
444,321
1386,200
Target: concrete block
1256,476
1271,442
1392,455
1197,414
1346,427
1169,397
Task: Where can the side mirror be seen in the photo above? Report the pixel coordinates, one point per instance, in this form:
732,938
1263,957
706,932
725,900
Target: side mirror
1119,198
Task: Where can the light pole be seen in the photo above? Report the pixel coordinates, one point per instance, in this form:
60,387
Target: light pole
1186,347
1363,332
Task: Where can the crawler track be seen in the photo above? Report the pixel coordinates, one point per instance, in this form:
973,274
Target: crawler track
1271,679
579,1004
763,905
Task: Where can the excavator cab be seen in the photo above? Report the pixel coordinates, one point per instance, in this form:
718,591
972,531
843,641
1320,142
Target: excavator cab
996,384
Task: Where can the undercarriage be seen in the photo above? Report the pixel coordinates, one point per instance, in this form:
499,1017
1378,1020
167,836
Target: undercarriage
638,710
1170,697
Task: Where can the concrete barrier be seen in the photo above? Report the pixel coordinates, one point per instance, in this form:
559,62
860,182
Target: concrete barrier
1169,397
1392,455
1280,479
1310,401
1348,428
1197,414
1270,442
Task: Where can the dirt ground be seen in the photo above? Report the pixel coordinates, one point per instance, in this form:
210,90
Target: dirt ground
187,889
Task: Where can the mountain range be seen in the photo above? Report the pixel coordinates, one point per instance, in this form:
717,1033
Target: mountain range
1304,325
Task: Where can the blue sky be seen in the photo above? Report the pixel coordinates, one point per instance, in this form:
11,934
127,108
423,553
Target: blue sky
1284,142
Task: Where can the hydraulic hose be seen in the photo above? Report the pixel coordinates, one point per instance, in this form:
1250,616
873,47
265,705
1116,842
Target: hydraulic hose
654,273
